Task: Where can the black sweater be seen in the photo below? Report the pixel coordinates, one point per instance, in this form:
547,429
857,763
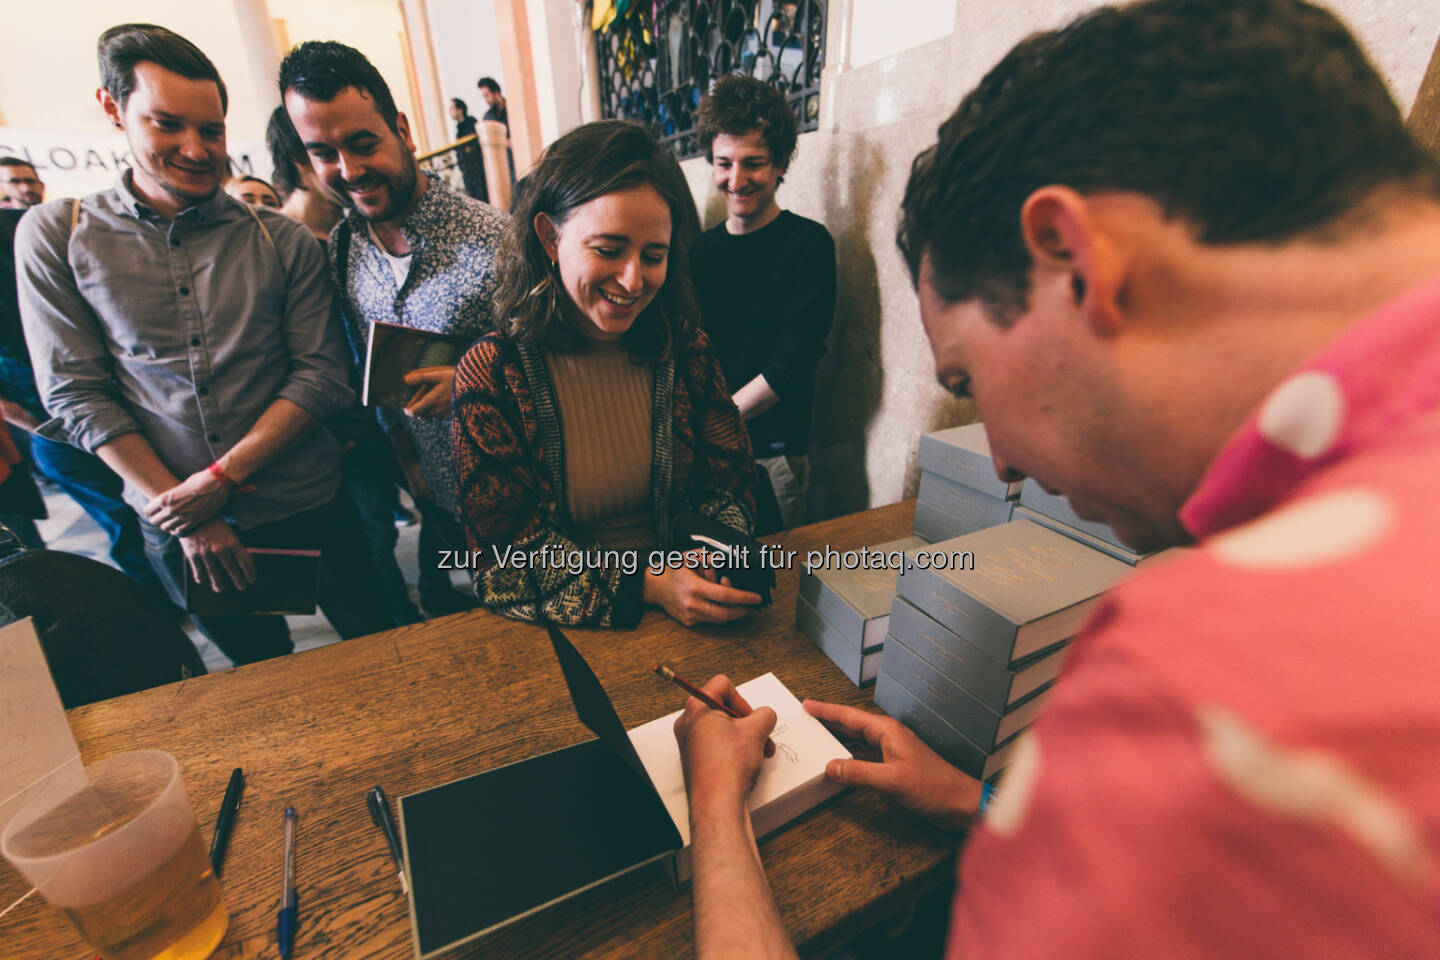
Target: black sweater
767,300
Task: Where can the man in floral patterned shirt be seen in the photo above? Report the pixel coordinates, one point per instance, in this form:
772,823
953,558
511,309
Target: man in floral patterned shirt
409,251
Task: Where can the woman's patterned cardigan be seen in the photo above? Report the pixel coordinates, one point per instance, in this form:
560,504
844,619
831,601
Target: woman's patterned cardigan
505,431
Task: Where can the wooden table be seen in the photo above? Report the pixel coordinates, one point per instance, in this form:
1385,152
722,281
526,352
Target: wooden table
421,705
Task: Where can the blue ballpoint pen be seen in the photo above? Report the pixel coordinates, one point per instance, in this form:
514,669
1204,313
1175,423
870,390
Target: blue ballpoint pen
289,900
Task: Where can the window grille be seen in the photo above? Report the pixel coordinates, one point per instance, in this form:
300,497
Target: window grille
656,58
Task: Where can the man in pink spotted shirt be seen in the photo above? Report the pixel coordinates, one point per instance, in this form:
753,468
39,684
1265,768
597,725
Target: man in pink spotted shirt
1186,259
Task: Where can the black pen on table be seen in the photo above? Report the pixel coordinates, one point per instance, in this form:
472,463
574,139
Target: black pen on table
380,813
226,820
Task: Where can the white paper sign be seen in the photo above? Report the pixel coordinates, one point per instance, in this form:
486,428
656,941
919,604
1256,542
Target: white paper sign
38,756
74,164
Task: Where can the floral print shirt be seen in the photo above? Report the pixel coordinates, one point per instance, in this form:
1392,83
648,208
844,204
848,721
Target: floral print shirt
450,289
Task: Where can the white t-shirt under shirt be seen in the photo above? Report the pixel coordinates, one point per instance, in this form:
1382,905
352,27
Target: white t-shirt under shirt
399,266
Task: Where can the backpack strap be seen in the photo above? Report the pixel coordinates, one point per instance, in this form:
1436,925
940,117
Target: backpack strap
74,213
268,239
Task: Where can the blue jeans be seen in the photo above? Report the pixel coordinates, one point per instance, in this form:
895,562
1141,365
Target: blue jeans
99,492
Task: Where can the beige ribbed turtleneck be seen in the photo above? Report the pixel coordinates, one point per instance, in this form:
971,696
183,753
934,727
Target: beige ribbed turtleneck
604,400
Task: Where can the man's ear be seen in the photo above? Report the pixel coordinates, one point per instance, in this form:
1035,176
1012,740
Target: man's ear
548,234
111,106
1063,235
402,127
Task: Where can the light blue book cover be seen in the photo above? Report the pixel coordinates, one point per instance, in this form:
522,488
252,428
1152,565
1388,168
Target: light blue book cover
1027,589
997,685
948,509
856,603
978,723
1056,507
860,666
962,455
938,735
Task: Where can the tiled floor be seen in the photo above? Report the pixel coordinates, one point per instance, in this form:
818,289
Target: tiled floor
69,529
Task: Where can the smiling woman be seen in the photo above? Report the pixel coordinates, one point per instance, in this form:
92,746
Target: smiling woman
598,411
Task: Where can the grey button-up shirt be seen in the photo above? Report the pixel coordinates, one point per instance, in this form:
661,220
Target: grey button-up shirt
184,331
450,289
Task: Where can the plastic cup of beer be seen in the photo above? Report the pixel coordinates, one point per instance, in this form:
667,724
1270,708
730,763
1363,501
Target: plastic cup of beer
123,860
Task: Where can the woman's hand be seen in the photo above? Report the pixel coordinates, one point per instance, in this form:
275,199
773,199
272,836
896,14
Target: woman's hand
690,598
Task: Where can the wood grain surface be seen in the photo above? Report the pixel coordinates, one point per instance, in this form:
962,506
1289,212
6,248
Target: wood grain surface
422,705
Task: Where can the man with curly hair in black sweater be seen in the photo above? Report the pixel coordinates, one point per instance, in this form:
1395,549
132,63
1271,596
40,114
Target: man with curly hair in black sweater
766,281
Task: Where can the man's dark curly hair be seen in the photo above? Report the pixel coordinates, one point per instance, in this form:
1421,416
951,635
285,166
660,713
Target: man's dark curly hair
319,69
738,105
286,152
1254,120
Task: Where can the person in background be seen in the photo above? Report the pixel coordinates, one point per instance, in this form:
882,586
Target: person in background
597,411
20,186
409,251
1185,257
464,123
304,197
253,190
20,501
188,340
498,111
495,108
766,281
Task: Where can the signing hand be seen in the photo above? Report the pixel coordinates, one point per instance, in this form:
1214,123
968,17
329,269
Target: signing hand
214,553
188,504
722,755
911,772
433,398
691,598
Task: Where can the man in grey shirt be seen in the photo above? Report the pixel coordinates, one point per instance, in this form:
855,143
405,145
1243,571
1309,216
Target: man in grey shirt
187,340
410,251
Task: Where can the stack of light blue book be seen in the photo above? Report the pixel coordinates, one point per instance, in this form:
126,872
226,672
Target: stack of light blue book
1054,511
972,651
959,492
846,612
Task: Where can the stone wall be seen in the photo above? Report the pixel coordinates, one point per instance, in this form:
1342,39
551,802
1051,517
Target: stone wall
877,392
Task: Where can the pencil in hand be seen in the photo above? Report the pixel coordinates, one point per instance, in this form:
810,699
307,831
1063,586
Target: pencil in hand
705,698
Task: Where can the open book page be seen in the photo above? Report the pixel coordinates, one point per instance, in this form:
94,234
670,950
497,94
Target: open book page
790,783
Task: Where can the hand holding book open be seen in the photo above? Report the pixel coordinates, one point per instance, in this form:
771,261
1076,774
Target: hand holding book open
722,757
916,776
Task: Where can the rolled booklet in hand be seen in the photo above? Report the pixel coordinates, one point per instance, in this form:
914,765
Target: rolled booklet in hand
740,558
